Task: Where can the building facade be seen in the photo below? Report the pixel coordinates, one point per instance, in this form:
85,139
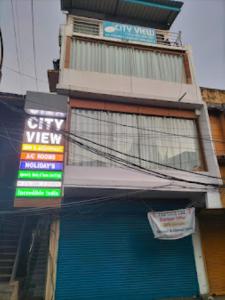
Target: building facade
126,132
140,141
212,221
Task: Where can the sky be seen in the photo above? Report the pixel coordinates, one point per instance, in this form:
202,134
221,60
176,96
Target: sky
202,23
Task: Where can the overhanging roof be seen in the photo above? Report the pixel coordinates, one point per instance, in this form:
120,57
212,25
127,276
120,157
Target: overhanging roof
155,13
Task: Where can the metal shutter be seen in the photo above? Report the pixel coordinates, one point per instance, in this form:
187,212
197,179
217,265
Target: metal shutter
113,255
213,241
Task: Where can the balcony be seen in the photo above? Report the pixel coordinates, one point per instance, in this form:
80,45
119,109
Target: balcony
120,32
169,39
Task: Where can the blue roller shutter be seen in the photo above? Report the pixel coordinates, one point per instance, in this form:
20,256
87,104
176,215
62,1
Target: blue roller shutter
113,255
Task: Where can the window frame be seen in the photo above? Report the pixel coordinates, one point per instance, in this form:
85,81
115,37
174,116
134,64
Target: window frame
149,48
139,110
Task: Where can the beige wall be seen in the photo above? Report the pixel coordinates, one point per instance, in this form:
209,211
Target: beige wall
124,86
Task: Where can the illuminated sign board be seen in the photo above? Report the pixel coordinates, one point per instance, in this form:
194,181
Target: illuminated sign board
41,160
38,193
27,183
40,165
42,148
40,175
41,156
46,113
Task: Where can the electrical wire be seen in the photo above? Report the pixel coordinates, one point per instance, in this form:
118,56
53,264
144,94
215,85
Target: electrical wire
1,53
128,163
41,210
75,204
24,74
33,43
152,130
137,167
142,159
156,163
153,172
143,129
16,43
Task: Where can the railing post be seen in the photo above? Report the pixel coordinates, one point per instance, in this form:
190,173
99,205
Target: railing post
179,38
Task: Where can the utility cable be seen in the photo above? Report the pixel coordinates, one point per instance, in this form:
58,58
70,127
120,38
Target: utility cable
33,43
130,164
139,158
1,53
121,153
75,204
141,128
16,43
131,126
152,130
24,74
69,204
149,161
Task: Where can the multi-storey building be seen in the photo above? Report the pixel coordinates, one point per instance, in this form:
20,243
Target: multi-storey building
141,142
136,139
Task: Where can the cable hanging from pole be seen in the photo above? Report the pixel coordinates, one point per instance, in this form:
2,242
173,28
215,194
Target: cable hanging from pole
1,53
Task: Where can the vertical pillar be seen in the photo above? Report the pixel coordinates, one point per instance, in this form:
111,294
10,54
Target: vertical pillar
199,261
52,261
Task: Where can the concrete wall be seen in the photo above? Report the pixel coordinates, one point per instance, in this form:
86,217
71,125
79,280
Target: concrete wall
103,177
126,86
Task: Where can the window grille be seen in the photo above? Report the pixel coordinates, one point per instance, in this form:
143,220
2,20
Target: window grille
86,27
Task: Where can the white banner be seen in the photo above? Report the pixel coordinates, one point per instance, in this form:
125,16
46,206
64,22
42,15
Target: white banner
172,225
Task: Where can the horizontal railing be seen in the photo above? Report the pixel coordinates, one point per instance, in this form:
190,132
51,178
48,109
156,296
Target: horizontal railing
168,38
95,28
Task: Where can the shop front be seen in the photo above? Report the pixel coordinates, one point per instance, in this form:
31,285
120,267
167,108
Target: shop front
107,251
212,226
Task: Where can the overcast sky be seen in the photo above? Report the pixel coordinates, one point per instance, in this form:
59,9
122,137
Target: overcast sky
202,23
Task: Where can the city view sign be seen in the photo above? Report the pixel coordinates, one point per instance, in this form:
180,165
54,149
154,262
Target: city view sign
41,161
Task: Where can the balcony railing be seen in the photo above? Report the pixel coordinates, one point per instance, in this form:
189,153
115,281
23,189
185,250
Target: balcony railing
94,28
167,38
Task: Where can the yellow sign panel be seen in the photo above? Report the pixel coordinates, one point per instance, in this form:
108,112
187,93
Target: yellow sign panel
42,148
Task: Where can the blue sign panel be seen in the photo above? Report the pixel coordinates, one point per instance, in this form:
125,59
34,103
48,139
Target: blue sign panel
129,32
40,165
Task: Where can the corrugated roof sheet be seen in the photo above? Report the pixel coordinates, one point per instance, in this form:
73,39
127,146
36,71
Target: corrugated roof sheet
161,13
100,6
136,11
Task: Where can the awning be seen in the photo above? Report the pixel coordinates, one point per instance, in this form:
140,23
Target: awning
153,13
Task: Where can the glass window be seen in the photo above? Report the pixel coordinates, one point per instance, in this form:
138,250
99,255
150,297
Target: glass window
127,61
150,141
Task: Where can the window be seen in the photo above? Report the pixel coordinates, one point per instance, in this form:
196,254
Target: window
154,141
90,28
127,61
